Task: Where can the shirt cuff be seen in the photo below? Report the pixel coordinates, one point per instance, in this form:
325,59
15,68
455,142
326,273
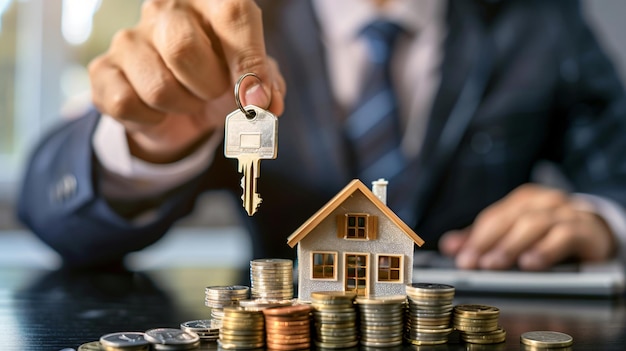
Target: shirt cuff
613,214
125,177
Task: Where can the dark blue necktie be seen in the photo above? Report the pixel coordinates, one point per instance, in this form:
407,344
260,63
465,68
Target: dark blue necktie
373,128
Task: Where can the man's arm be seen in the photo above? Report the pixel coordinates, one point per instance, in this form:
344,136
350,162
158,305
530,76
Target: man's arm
535,227
169,81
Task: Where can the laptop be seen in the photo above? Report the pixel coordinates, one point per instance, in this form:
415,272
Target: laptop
584,279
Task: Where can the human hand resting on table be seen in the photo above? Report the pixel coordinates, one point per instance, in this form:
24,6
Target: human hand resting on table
533,227
170,79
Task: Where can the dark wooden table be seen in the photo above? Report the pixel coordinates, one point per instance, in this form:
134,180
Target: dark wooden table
56,310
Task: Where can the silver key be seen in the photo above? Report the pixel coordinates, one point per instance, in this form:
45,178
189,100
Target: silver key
251,138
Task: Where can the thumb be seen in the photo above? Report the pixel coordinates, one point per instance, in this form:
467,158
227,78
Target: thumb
238,25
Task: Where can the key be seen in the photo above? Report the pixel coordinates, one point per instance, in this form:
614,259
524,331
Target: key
250,138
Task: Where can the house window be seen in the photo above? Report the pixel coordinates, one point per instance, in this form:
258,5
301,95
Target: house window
359,226
324,265
390,268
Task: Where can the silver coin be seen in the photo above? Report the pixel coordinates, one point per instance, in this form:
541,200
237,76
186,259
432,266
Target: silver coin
200,324
544,338
123,339
171,336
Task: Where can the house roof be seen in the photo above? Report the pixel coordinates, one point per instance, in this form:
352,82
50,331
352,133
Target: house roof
348,191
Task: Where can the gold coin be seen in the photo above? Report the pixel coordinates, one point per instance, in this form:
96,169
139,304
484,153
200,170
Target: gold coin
380,300
288,347
333,295
91,346
288,310
476,310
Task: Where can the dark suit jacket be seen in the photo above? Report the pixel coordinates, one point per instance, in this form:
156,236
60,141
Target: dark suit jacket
522,81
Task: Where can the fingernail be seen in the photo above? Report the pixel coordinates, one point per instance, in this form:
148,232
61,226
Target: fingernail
466,260
495,260
256,95
532,261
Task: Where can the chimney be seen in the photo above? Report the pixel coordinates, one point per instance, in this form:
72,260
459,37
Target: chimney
379,188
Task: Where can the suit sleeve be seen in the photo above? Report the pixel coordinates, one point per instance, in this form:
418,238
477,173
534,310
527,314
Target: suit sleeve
61,203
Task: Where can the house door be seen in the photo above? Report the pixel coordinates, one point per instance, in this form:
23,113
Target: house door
356,277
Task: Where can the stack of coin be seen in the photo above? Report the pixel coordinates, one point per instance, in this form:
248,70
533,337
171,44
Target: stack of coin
382,320
203,328
334,317
288,328
546,340
271,279
172,339
428,314
242,329
478,324
262,304
125,341
219,297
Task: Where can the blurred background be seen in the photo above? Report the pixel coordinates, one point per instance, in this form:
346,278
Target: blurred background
45,46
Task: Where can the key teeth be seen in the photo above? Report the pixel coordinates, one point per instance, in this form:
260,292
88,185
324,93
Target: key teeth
255,204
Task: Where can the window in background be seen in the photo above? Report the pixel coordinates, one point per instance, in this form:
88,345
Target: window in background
45,46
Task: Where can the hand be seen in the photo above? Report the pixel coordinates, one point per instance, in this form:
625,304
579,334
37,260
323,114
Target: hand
534,227
170,79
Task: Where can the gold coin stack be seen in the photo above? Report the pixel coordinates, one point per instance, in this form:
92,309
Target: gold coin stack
429,313
381,320
242,329
220,297
334,318
288,328
478,324
271,279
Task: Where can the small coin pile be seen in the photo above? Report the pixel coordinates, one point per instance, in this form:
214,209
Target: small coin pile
288,328
428,314
546,340
203,328
154,339
478,324
172,339
242,329
220,297
334,318
271,279
381,320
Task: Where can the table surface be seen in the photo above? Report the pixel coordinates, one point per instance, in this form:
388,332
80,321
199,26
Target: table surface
56,310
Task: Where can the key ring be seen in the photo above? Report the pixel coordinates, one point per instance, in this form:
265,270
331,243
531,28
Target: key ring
249,114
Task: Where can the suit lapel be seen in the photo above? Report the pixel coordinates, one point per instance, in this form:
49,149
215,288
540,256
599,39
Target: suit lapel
313,114
466,69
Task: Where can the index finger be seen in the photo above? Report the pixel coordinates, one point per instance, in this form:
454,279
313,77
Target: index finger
490,226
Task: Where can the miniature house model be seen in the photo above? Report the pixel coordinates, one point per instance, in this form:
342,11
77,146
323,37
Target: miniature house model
355,243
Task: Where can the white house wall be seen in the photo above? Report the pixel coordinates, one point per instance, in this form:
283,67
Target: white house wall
391,240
